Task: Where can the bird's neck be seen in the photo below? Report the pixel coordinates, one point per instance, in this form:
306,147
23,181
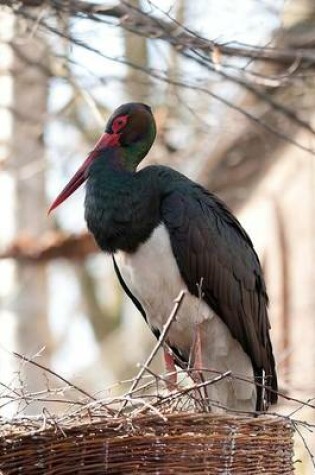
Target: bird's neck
136,149
121,209
131,157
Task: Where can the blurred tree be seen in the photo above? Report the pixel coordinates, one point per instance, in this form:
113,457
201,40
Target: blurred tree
245,157
27,164
137,83
258,155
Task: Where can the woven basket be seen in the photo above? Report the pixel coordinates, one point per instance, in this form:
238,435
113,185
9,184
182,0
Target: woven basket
175,443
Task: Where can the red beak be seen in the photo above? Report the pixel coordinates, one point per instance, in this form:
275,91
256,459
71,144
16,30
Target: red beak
106,140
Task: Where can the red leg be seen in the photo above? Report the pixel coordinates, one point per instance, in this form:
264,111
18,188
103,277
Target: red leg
171,377
198,367
197,350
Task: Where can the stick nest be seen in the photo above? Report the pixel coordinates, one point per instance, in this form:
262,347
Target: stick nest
96,442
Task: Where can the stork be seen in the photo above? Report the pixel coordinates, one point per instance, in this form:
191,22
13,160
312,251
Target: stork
167,233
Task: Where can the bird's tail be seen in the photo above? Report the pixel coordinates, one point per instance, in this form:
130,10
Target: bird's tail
267,382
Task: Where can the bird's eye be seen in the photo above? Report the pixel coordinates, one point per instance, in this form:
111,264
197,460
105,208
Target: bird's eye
119,123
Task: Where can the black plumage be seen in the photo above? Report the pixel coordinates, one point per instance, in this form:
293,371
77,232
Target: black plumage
217,260
214,255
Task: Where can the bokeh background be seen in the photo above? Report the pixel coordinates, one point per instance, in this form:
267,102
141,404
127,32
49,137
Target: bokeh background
232,88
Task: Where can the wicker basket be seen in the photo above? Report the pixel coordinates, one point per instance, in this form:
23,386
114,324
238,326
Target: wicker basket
175,443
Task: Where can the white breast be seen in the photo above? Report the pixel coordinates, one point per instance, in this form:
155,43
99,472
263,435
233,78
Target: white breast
152,275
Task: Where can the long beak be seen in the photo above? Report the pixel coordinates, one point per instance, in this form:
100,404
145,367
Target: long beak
106,140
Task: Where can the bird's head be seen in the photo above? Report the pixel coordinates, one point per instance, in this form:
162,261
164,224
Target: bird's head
131,129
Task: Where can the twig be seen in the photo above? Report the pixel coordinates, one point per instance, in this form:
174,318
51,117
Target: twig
202,384
311,456
50,371
159,76
256,383
178,301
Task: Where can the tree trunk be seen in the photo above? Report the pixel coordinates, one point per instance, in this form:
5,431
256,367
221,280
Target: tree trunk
27,160
136,52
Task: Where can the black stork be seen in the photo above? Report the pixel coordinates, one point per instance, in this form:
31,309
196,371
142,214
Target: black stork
167,233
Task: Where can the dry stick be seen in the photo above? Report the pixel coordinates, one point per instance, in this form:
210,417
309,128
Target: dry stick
50,371
178,301
38,396
203,384
301,407
144,23
160,77
31,398
162,399
175,40
190,389
306,446
256,383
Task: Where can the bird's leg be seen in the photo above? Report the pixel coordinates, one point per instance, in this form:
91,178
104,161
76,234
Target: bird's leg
197,350
171,376
197,376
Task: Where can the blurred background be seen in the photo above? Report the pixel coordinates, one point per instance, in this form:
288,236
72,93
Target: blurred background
232,88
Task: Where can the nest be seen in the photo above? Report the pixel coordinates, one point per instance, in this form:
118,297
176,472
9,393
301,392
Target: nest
145,431
147,443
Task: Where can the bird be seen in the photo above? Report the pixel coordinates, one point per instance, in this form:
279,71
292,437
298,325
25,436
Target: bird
166,233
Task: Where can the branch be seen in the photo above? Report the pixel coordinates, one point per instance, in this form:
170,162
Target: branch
162,77
144,23
178,301
53,373
52,245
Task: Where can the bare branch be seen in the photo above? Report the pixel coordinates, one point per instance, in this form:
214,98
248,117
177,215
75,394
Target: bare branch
178,301
162,77
141,22
53,373
52,245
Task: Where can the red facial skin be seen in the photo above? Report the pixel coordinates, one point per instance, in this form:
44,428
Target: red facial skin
106,140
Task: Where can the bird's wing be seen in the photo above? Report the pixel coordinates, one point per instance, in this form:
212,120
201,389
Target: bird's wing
217,260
